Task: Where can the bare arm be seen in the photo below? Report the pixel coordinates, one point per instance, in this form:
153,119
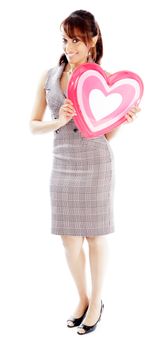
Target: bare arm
112,133
36,124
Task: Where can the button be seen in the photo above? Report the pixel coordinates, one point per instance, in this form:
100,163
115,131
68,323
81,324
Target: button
58,130
75,129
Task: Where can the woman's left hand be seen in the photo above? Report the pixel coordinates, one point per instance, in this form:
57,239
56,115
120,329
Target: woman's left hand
131,114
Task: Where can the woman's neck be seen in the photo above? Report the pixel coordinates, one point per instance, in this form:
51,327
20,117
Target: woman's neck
71,66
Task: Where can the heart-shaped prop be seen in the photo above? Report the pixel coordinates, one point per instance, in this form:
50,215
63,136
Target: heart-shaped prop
102,101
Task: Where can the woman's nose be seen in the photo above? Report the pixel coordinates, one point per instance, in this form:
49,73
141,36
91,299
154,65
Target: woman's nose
69,47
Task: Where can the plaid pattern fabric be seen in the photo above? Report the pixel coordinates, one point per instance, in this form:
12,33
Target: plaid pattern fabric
82,177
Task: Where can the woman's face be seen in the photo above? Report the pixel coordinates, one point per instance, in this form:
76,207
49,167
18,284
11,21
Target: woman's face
75,50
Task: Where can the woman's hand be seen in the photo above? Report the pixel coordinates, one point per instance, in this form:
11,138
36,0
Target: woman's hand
66,112
131,114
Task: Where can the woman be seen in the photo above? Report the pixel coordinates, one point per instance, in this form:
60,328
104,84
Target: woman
82,177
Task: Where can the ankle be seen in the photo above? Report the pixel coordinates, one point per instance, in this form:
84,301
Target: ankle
84,299
95,302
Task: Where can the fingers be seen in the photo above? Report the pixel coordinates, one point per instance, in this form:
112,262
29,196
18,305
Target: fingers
131,114
68,106
68,111
133,111
129,119
136,109
68,101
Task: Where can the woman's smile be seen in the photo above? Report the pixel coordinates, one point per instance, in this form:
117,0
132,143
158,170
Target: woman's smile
71,54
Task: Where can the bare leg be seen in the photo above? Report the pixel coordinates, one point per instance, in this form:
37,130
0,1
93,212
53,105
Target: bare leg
98,260
76,261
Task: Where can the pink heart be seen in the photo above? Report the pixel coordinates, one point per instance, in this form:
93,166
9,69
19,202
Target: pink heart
89,78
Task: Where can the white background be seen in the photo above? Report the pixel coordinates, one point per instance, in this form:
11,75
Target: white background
37,291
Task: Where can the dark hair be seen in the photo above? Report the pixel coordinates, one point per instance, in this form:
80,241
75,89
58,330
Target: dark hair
83,24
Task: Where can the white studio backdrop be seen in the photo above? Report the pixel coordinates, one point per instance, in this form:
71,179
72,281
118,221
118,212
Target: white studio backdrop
37,292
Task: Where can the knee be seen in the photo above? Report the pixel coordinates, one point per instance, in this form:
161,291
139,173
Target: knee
96,241
72,244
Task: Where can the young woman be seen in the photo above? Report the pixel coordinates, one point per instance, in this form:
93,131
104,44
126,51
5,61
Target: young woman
81,185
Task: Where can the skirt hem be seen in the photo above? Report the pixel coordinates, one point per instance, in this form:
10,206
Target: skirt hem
81,235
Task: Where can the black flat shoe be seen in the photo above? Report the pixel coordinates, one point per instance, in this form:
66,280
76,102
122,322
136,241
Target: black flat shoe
77,321
88,329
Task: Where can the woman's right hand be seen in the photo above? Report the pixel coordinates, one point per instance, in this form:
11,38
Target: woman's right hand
66,112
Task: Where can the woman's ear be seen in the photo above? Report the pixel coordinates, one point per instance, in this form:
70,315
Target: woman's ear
94,40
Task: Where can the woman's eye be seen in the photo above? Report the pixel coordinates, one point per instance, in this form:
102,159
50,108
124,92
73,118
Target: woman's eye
75,40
